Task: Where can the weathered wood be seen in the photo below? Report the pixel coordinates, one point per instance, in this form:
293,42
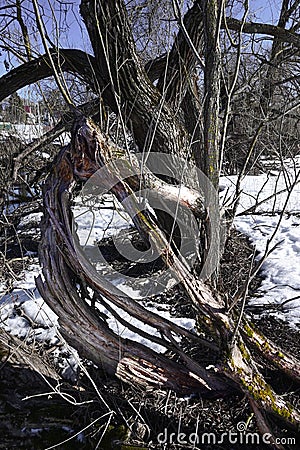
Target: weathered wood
118,74
89,333
271,352
211,16
64,124
81,326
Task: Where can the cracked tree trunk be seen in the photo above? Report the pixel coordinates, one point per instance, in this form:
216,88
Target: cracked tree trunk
64,271
81,326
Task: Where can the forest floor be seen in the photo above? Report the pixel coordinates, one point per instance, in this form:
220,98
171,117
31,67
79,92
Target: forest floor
70,404
86,410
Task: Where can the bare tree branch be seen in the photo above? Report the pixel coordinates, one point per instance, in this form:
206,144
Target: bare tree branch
263,28
73,61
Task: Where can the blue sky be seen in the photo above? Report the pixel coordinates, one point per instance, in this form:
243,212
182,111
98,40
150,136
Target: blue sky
266,10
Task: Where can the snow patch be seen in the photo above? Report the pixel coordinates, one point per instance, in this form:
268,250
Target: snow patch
281,270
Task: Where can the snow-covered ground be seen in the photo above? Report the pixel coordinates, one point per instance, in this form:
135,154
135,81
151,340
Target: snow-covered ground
28,132
263,198
280,287
25,132
24,313
23,307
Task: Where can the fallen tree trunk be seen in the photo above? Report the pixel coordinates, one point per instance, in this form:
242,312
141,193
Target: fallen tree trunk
67,275
81,326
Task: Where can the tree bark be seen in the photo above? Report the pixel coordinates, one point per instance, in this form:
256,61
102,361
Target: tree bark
211,13
117,74
175,77
274,72
138,101
264,28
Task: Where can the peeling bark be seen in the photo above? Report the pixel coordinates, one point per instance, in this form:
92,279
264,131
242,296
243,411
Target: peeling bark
81,326
133,362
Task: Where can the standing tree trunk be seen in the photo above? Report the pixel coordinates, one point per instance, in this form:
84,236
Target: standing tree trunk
212,12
